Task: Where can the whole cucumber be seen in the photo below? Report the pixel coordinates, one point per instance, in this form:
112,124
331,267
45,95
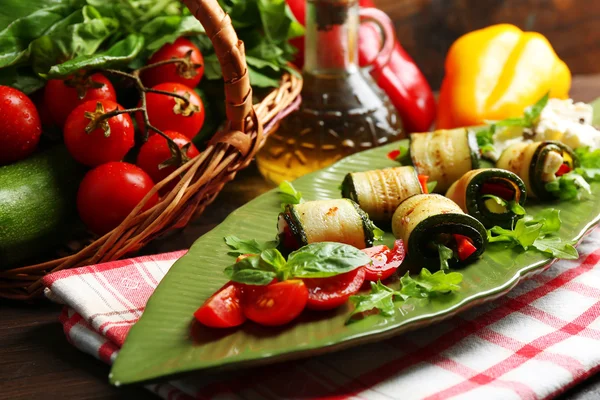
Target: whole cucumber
37,204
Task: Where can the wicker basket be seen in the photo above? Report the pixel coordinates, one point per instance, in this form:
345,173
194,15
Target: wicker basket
202,178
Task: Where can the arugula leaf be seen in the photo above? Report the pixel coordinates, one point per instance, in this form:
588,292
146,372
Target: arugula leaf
431,186
588,158
289,195
251,271
533,112
523,235
427,285
381,298
377,233
549,217
445,254
404,155
511,205
241,246
485,139
324,259
556,247
570,186
589,174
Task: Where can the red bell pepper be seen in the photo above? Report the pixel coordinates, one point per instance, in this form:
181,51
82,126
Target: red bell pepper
400,78
464,247
564,169
423,181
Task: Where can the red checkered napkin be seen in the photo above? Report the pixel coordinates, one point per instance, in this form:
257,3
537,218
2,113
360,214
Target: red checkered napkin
540,339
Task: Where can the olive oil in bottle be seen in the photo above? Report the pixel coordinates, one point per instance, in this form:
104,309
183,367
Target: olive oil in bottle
343,110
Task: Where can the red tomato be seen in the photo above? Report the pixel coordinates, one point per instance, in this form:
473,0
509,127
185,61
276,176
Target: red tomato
423,181
108,194
62,96
156,151
176,72
464,247
385,261
20,129
329,293
168,113
222,309
96,148
275,304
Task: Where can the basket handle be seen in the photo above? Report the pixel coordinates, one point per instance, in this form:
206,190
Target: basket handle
232,58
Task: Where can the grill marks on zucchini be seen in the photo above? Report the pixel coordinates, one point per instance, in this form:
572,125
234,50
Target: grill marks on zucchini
425,220
379,192
339,220
468,193
444,155
536,164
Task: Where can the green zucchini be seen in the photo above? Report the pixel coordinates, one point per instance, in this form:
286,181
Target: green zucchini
469,190
339,220
537,163
425,220
444,155
37,204
379,192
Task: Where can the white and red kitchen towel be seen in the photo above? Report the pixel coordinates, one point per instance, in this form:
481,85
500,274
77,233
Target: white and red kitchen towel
540,339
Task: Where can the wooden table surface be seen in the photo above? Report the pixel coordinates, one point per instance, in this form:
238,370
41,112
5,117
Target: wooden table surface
36,362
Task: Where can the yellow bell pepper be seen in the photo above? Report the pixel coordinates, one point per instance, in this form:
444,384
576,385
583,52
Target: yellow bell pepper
495,73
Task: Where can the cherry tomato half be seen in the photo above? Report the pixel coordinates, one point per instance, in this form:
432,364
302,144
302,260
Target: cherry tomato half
20,129
274,304
385,261
222,309
186,74
108,194
62,96
156,151
332,292
168,113
110,141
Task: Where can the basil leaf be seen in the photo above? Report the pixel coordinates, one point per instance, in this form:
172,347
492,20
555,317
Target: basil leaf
240,246
380,298
252,271
274,258
289,195
121,52
445,254
324,259
556,247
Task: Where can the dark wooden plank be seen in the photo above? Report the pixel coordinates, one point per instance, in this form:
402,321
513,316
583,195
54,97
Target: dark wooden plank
427,28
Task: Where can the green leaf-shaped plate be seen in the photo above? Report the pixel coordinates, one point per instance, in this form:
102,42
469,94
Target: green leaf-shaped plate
167,341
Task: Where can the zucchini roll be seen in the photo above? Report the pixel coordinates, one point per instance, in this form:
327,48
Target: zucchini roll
469,193
425,221
444,155
379,192
339,220
538,163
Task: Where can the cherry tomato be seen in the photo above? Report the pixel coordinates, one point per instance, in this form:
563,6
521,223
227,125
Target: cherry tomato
156,151
108,194
168,113
222,309
274,304
329,293
20,129
464,247
62,96
385,261
109,141
186,74
423,182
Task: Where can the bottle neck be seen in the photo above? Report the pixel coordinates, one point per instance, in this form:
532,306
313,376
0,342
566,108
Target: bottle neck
331,37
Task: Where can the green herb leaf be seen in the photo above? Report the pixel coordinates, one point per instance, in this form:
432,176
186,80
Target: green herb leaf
251,271
241,246
523,235
516,208
533,112
289,195
549,217
324,259
274,258
427,285
485,139
377,233
570,186
588,158
380,298
431,186
499,200
446,255
404,155
556,247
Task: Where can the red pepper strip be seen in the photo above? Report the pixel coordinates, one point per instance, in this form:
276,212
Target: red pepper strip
400,79
464,247
423,181
564,169
392,155
498,190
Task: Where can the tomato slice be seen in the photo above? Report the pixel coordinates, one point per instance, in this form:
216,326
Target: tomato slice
498,190
564,169
222,309
464,247
385,261
274,304
332,292
423,181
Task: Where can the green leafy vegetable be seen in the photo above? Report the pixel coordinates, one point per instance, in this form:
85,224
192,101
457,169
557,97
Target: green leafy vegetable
289,195
446,255
316,260
404,155
380,298
511,205
523,235
427,285
431,186
549,218
588,158
240,246
570,186
556,247
377,233
485,138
